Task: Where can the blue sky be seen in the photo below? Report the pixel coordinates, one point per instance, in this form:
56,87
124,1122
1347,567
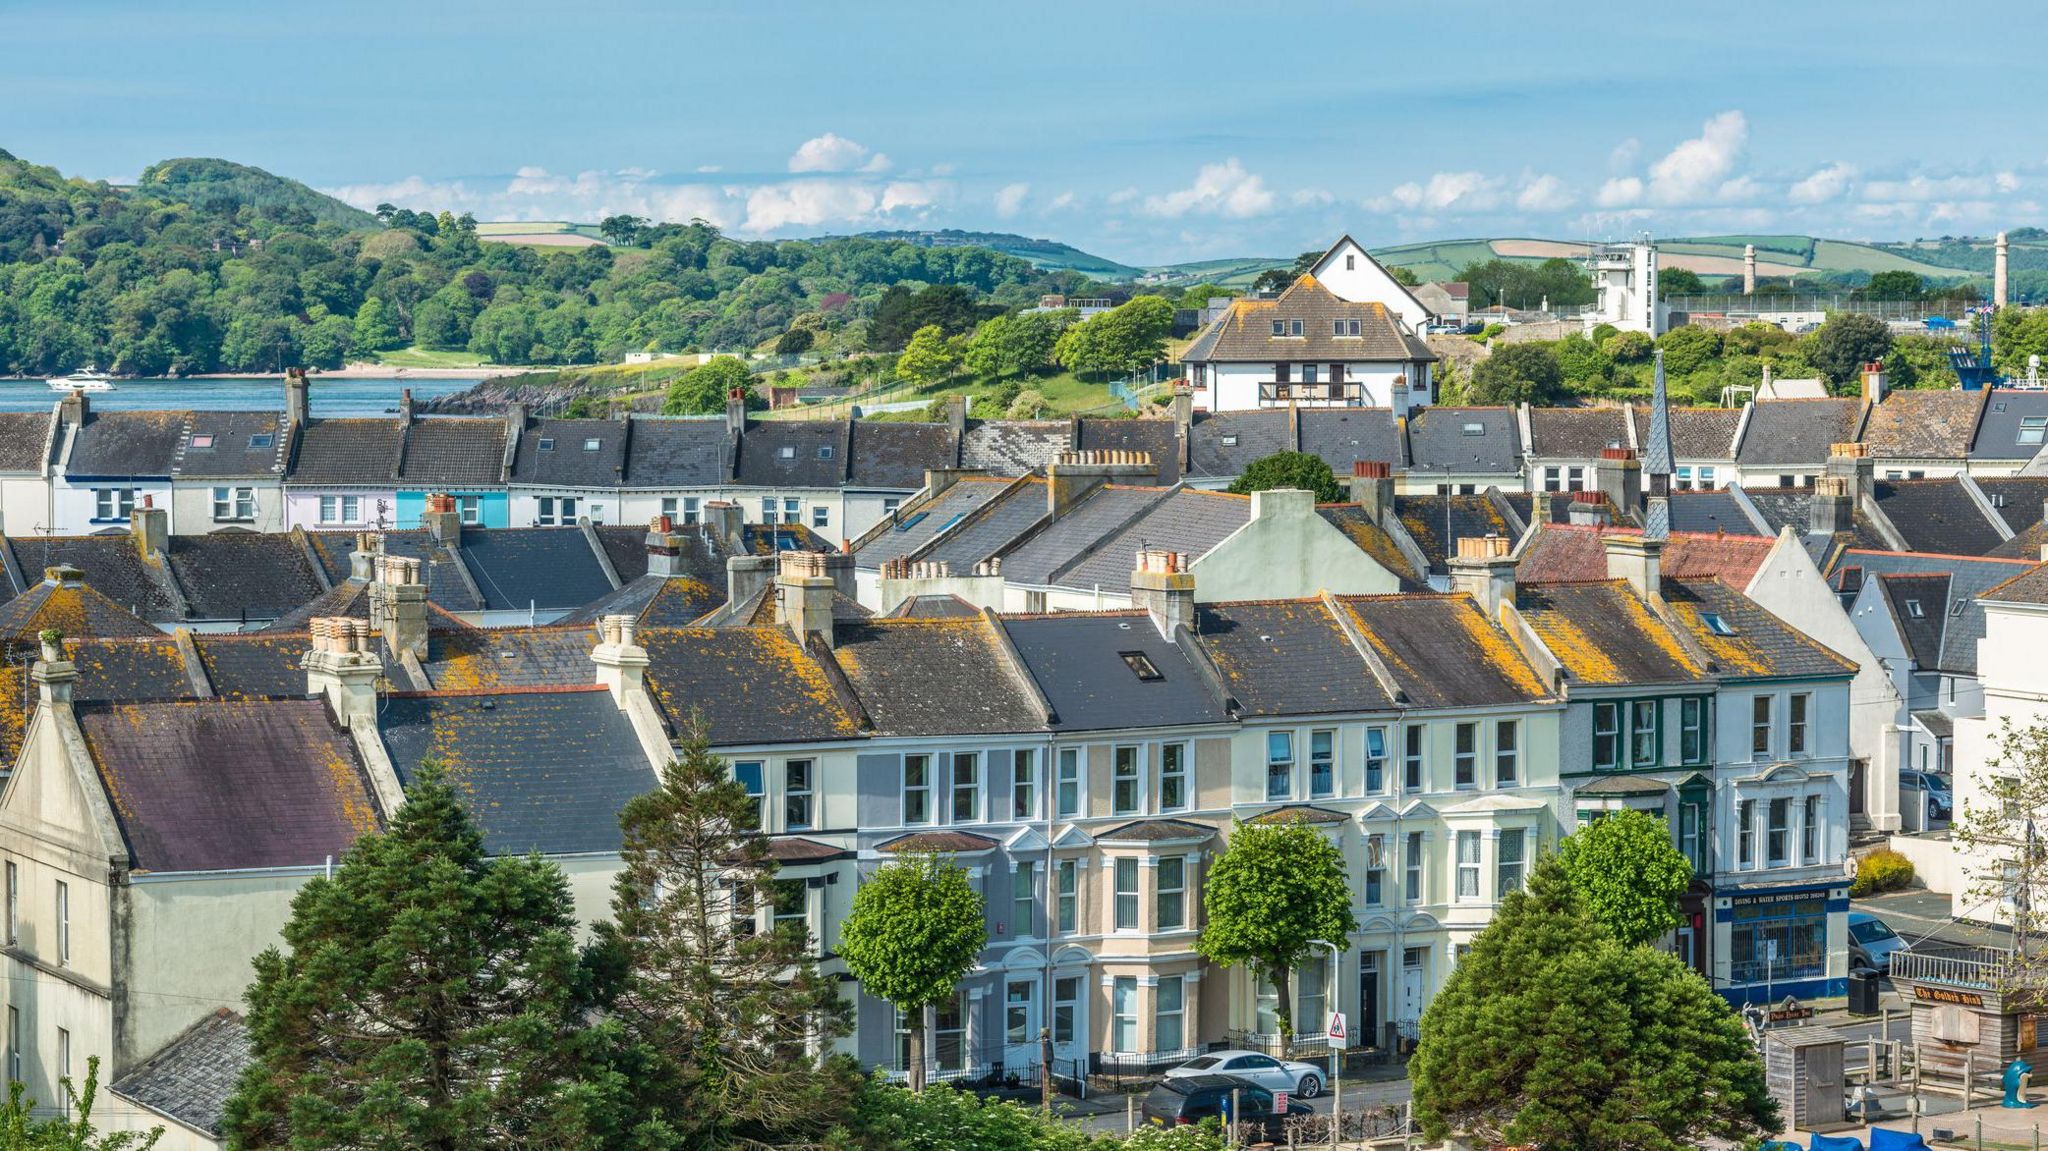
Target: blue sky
1147,132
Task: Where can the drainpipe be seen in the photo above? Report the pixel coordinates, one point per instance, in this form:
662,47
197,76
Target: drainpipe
1049,794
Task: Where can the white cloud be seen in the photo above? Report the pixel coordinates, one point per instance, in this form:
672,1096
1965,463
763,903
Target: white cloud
707,169
1224,189
910,194
1312,198
1624,155
832,152
1060,203
1010,199
1922,189
1123,195
1619,192
1445,191
1696,169
1543,194
1826,184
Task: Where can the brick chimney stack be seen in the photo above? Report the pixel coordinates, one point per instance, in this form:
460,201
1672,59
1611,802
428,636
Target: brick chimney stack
398,604
1484,570
443,518
151,527
344,668
804,591
1162,584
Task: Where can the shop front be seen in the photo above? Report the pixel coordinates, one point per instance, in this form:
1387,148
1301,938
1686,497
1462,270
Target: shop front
1775,942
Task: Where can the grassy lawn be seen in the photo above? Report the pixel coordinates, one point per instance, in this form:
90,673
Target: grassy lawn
423,358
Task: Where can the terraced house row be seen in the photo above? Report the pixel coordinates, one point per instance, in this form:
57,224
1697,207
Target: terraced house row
170,791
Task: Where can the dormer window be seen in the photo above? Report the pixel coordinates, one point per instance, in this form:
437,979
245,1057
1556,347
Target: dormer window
1279,327
546,444
202,440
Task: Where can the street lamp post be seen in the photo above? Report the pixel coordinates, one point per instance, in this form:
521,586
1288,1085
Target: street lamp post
1330,993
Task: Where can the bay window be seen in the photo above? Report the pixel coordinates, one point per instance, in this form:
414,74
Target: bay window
1125,873
1170,898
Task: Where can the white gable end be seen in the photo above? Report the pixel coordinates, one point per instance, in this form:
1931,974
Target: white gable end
1350,273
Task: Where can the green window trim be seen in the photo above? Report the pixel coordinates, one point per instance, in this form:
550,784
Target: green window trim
1637,756
1694,746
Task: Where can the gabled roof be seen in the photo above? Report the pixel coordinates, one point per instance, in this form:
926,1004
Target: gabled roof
347,451
113,566
655,601
933,607
229,445
25,441
2030,586
483,659
1696,433
999,524
1425,518
1102,671
750,684
1443,652
64,602
229,785
254,665
191,1078
682,453
1709,512
1221,445
108,669
1797,433
133,443
2018,500
544,771
455,452
1761,645
794,454
1575,433
2012,427
242,575
552,569
1465,441
935,677
1157,438
1373,540
1038,560
1245,331
1605,635
1187,521
1919,607
1969,578
1288,657
1013,447
893,455
1563,553
351,598
1922,425
446,587
916,526
572,454
1937,516
1343,436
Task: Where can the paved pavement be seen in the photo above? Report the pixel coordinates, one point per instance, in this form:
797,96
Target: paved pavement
1106,1113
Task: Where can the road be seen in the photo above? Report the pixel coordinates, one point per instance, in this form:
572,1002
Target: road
1375,1093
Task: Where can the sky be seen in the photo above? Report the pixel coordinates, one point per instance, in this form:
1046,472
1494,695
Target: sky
1150,133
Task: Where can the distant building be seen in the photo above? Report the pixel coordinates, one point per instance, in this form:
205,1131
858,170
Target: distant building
1449,301
1625,275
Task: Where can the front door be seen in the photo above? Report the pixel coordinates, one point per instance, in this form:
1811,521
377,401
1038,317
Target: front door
1069,1022
1859,775
1411,990
1020,1027
1368,1032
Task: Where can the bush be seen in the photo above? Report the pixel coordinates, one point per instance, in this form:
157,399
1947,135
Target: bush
1881,870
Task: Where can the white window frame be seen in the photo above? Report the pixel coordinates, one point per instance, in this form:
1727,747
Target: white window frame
1024,789
1121,868
1123,1015
1066,895
1174,793
1761,715
1467,889
1745,833
799,781
921,790
1279,765
821,516
1376,760
63,924
1811,813
470,510
757,789
1414,757
1322,763
1413,871
13,902
1024,899
1178,893
113,504
234,505
1126,779
955,789
1507,753
1069,793
1465,755
1799,723
1170,1009
1778,831
1511,868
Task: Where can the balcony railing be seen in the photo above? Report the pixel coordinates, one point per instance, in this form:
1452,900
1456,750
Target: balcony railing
1984,968
1274,392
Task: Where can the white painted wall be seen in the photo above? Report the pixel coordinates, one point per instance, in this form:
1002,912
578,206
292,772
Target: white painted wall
1235,386
1287,550
1351,273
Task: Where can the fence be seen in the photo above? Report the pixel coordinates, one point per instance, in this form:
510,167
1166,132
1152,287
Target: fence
1914,310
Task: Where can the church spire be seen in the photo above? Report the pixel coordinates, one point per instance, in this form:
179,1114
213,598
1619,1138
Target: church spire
1657,459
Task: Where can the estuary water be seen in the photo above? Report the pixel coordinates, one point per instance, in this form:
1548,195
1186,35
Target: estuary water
330,397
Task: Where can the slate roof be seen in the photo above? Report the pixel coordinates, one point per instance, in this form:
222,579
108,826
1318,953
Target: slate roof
347,451
1763,646
229,445
2030,586
1343,436
113,566
446,587
1562,553
703,552
242,575
1287,657
1373,540
937,842
916,526
1575,433
750,684
502,657
893,455
258,665
70,606
1797,433
1696,433
1245,331
1158,438
2018,500
1438,437
1188,521
794,454
1999,434
1605,635
543,771
1221,445
1919,610
997,525
25,441
1709,512
655,601
1930,424
932,607
454,452
190,1078
1443,652
1013,447
1156,831
137,443
551,568
351,598
1299,813
664,453
935,677
1078,661
1968,578
1038,559
1423,517
1937,516
2026,544
557,453
222,785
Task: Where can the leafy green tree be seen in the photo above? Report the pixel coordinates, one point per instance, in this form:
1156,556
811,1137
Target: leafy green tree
1525,373
795,340
1846,342
1897,284
1276,889
1404,276
702,390
1627,874
428,999
1586,368
1679,282
1126,338
622,229
326,344
1521,285
984,354
917,926
1291,470
723,1015
376,326
928,359
21,1131
1628,347
1688,349
1551,1033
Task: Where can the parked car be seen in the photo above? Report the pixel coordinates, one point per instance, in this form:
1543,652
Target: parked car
1872,942
1941,799
1187,1099
1301,1080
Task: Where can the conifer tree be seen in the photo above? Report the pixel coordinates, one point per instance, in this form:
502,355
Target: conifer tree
427,998
728,1023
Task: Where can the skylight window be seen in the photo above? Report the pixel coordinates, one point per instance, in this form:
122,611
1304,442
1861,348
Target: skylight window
592,444
1229,441
2033,429
546,444
786,452
1141,665
1914,609
261,440
202,439
1474,429
911,521
824,451
1716,624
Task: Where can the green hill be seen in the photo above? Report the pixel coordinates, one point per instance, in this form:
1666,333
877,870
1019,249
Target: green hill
1046,255
217,184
